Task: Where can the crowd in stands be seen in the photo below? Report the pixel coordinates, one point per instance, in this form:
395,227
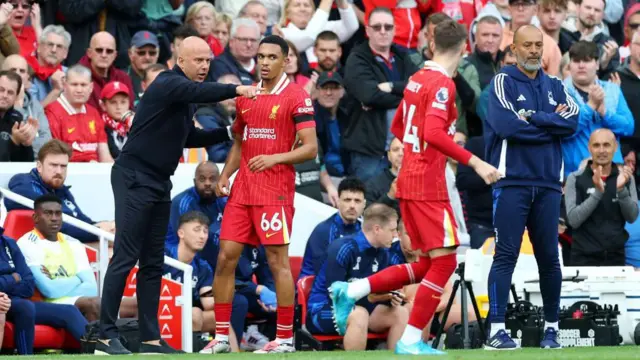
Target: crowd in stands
73,71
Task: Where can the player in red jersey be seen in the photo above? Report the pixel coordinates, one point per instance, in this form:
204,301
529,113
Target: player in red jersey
260,207
425,121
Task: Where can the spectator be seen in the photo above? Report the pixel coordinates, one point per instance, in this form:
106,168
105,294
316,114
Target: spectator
602,105
522,13
9,45
301,22
255,10
144,52
326,53
358,256
508,58
308,176
587,25
293,69
52,50
239,58
116,116
16,135
201,197
375,77
331,119
426,37
26,104
27,35
219,115
629,74
179,34
222,29
406,17
600,199
477,195
24,313
100,59
565,71
382,188
552,14
631,24
60,266
487,55
150,75
230,7
77,123
202,16
48,177
86,19
345,222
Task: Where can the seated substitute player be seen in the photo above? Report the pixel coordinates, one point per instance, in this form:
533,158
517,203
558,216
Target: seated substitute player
260,207
425,121
60,265
355,257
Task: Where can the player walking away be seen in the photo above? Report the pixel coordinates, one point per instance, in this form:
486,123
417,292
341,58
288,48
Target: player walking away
260,207
425,121
527,116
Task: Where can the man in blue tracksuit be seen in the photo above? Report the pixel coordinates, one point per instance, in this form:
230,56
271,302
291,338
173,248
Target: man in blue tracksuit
528,115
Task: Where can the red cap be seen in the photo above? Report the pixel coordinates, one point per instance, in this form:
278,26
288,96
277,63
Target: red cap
113,88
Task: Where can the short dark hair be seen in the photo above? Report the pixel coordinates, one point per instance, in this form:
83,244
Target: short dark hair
584,51
379,9
153,68
507,51
352,184
12,76
54,147
184,31
46,198
194,216
449,36
277,40
548,4
327,35
436,18
380,214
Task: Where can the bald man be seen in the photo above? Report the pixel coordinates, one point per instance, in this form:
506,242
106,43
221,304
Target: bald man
528,115
163,126
600,199
100,56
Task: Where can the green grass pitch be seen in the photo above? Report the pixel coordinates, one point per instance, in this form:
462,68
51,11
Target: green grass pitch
583,353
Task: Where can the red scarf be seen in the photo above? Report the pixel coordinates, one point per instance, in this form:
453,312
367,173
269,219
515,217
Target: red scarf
120,127
42,72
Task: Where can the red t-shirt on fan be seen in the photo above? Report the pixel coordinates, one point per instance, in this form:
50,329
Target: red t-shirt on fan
268,125
426,122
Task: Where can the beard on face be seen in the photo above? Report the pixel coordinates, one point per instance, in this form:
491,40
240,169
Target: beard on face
529,66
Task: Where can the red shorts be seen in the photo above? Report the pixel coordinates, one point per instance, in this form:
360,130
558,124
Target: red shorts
430,224
257,224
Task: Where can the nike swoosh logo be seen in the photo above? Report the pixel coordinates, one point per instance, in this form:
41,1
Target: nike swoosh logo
245,110
270,235
71,130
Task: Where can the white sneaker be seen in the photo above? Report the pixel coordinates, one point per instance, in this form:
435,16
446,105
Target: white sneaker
252,339
275,347
216,347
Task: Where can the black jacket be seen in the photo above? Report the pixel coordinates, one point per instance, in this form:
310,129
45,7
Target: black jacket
630,86
477,194
378,187
10,152
163,125
598,219
486,66
366,131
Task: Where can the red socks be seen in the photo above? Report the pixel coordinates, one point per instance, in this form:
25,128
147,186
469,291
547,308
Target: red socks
223,320
395,277
430,289
284,329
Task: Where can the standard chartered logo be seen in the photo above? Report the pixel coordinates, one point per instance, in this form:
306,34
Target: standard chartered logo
262,133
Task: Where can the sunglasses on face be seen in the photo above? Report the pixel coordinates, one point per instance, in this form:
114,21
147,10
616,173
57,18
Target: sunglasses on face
104,51
378,27
147,52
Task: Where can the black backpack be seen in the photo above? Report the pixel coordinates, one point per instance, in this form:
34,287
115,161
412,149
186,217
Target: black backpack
129,335
454,336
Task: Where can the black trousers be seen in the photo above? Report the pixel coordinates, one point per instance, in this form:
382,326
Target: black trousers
605,258
142,205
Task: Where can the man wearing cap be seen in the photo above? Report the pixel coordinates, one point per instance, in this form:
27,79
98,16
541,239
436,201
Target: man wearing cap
331,119
114,103
143,52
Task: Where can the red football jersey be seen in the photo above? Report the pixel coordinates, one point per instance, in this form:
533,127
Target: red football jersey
268,125
83,130
428,111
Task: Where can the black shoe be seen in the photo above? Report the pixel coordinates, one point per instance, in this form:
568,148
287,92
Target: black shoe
163,348
113,348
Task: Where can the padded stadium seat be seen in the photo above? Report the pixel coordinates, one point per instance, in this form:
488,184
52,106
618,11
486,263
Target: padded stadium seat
18,223
45,338
317,342
296,265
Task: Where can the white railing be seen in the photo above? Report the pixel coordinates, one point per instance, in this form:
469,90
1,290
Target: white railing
184,300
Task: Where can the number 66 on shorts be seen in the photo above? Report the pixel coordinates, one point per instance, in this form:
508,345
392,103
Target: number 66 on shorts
257,224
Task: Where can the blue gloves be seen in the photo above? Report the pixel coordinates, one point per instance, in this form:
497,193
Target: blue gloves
268,297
